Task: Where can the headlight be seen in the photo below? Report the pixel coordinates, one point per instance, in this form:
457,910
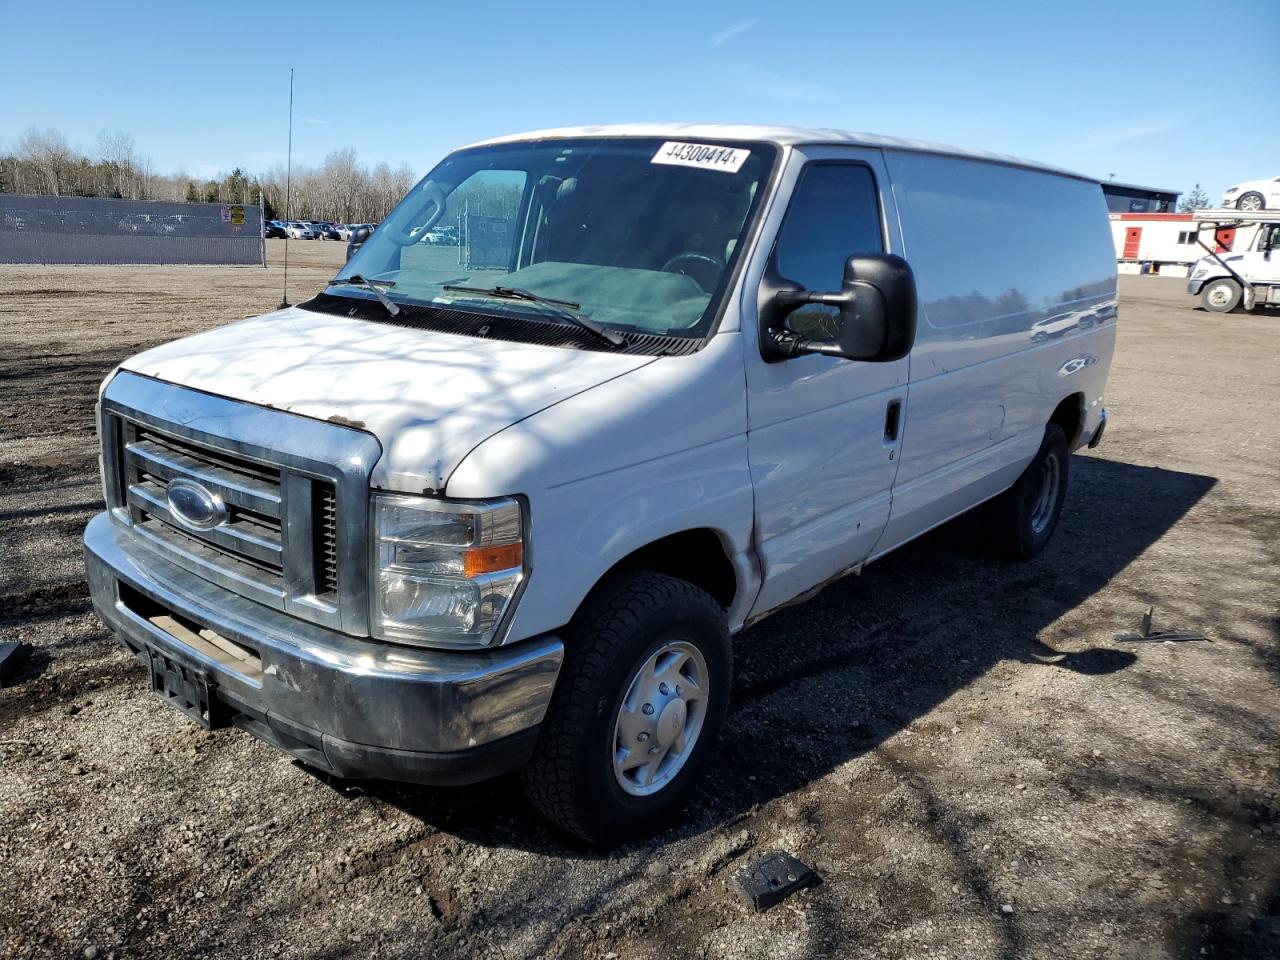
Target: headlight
445,571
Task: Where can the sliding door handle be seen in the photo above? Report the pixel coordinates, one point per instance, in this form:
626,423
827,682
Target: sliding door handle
892,421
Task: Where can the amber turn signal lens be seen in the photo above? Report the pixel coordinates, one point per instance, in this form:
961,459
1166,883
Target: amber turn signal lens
478,560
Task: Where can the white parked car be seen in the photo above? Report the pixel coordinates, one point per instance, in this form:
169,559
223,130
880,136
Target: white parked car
297,230
441,522
1254,195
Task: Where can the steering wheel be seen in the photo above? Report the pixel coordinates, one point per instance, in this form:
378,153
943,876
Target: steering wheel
705,263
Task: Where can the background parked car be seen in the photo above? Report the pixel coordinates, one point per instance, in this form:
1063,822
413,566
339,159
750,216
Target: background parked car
298,230
326,231
273,230
442,237
1254,195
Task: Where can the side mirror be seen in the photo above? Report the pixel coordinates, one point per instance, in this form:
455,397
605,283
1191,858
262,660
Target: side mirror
358,237
876,307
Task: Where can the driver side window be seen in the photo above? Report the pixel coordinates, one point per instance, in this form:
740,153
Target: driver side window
834,213
480,220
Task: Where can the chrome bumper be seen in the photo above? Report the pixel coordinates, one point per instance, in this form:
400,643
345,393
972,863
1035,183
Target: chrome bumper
353,707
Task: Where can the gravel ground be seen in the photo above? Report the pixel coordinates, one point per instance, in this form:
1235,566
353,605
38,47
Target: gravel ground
961,747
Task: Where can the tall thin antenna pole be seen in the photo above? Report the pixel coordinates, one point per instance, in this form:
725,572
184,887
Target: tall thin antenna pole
288,197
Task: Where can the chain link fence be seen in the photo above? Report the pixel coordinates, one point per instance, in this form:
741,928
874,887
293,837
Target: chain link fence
96,230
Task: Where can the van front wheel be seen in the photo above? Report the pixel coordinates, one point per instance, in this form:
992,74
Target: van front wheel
1023,518
636,710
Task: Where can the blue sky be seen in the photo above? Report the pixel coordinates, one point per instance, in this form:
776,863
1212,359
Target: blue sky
1103,88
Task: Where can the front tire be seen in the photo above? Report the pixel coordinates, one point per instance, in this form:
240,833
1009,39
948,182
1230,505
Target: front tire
636,711
1251,201
1221,296
1023,518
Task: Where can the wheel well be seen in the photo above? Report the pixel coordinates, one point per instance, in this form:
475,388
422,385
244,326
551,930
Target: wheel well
697,556
1069,415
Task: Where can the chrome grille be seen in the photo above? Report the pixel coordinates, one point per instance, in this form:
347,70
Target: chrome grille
325,528
251,534
292,529
248,546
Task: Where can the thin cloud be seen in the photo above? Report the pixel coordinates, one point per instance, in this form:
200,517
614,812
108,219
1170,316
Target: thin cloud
767,84
728,33
1111,134
315,120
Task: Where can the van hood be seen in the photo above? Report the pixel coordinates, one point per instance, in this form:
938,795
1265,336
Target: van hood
430,398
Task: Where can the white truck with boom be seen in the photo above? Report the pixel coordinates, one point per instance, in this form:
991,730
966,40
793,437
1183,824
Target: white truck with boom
1225,281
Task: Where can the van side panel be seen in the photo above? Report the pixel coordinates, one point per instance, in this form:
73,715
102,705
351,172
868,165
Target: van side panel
1016,278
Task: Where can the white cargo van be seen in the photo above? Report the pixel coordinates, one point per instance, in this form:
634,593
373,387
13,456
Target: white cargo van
502,504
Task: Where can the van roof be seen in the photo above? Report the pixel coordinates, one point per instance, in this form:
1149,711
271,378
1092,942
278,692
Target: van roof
782,136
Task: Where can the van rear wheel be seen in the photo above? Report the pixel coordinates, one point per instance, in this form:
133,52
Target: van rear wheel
636,710
1023,518
1221,295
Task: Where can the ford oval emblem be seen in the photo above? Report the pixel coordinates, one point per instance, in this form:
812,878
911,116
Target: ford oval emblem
1076,364
195,507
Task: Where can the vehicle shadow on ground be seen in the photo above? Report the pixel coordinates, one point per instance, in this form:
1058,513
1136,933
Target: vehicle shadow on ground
821,683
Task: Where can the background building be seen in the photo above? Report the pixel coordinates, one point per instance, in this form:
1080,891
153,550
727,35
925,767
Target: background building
1131,198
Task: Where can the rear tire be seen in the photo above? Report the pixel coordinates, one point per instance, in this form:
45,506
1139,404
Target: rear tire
1251,201
647,671
1221,296
1023,518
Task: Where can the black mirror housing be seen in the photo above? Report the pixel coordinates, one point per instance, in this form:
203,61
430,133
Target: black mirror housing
881,326
877,305
358,237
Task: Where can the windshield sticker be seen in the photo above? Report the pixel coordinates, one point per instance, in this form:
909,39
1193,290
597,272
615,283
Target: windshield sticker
704,155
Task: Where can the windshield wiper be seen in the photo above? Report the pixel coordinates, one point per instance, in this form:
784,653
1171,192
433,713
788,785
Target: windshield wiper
563,308
373,286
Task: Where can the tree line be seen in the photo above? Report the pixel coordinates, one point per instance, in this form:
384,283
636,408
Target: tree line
342,190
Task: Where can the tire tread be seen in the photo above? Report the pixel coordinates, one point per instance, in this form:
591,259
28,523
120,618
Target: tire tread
597,631
1007,532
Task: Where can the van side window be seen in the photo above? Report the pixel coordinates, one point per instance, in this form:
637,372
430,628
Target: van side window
834,213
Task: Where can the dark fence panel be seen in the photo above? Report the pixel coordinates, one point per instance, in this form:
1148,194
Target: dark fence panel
97,230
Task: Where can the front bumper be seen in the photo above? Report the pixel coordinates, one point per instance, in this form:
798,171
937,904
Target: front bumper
350,706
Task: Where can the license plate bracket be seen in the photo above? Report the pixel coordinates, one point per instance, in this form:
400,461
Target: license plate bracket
186,687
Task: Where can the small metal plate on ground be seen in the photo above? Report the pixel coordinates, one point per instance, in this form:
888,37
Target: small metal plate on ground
12,656
773,878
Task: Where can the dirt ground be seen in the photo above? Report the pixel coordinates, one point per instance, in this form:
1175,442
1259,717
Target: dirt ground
970,759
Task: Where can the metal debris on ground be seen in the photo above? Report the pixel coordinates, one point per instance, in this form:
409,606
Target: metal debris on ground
13,655
1146,635
773,878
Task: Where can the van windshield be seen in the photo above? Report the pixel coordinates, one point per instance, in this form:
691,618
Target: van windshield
634,234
